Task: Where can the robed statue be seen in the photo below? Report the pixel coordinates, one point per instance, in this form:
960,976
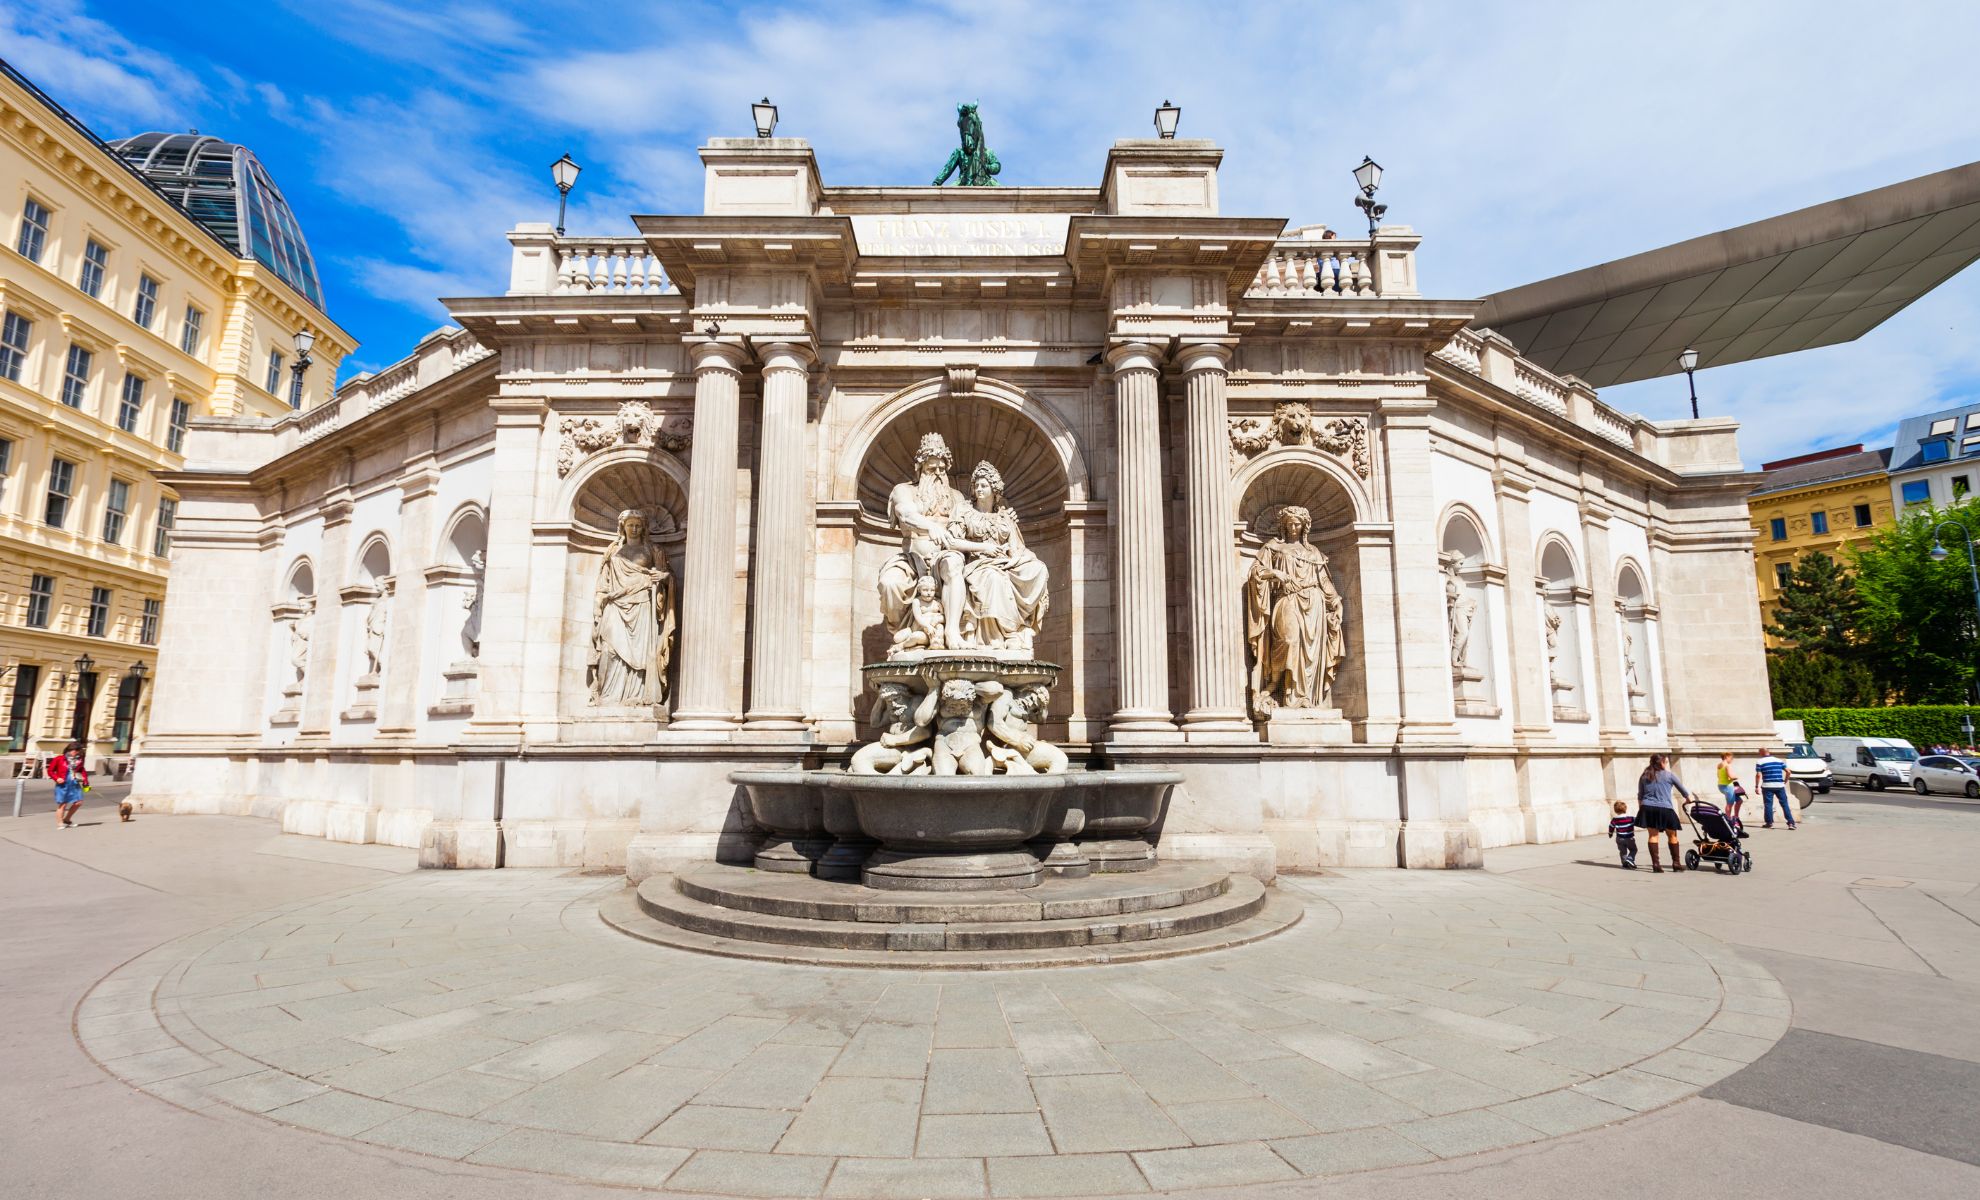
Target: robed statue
632,632
1293,620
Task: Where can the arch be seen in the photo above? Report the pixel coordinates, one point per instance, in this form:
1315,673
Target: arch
464,533
301,579
1461,529
374,558
1632,582
1287,460
1556,563
980,424
626,477
1294,479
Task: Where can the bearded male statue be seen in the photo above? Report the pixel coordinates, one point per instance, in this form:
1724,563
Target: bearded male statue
922,509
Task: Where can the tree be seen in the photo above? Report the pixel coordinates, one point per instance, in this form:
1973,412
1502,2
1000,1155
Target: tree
1916,628
1818,608
1812,679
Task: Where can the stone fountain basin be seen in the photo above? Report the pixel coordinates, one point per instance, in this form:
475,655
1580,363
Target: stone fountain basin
1127,803
783,803
956,812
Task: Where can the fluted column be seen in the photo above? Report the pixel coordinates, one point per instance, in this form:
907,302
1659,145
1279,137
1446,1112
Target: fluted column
777,579
708,594
1141,661
1216,637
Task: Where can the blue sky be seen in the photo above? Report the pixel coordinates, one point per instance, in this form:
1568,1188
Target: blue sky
1522,140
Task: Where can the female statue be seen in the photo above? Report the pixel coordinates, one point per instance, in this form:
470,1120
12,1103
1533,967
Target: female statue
1006,582
299,636
632,633
1293,620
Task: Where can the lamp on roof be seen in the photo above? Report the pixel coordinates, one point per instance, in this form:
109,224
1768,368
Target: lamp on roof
1165,120
765,114
305,342
564,173
1688,363
1368,177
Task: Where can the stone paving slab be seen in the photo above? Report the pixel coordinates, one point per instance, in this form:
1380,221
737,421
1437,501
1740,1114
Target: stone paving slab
492,1017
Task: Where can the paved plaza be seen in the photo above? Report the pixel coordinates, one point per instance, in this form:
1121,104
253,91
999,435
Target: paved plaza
254,1010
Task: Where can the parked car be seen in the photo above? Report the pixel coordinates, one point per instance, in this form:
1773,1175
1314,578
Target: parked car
1872,762
1806,766
1946,773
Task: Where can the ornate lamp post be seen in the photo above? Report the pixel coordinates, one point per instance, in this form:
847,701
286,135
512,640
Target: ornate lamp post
765,114
1688,363
79,724
305,342
1165,120
1368,177
1940,554
564,173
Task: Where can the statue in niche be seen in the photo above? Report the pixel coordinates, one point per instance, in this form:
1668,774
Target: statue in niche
632,633
992,590
1554,680
922,629
1462,610
375,616
1630,678
471,626
1012,725
1294,620
299,636
903,746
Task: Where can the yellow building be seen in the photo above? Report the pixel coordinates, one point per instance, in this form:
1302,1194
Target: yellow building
1821,501
122,317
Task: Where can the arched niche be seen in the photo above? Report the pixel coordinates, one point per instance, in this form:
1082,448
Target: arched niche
374,560
1563,598
651,482
465,536
1308,481
637,482
300,581
1636,619
1471,611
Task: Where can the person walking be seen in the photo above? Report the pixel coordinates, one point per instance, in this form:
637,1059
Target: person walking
71,781
1656,811
1770,775
1729,785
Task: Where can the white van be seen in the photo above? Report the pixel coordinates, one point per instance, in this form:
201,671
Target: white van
1872,762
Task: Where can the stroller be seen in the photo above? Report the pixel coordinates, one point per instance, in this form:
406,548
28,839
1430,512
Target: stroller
1717,840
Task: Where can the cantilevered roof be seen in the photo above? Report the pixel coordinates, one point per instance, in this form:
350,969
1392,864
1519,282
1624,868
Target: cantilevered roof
1815,277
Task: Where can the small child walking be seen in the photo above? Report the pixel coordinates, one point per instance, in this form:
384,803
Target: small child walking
1622,827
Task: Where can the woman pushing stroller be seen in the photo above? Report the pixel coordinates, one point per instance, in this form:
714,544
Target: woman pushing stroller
1656,811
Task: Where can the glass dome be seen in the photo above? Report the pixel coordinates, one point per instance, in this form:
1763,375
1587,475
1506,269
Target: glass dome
226,189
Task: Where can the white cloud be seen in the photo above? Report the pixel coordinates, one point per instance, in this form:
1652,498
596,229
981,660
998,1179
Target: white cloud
99,74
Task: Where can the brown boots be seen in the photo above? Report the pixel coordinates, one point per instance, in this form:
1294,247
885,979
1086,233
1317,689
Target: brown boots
1656,863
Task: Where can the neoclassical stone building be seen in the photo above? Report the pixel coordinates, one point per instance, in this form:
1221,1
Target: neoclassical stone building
1502,594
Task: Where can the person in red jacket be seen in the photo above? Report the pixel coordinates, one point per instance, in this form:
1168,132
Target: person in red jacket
71,781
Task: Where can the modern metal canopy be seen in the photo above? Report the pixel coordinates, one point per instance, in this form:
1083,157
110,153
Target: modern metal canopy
1815,277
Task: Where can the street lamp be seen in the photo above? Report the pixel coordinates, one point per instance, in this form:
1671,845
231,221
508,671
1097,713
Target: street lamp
564,173
305,342
1165,120
84,663
1368,177
1688,363
765,114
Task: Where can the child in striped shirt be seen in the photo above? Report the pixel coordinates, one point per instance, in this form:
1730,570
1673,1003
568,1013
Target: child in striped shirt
1622,827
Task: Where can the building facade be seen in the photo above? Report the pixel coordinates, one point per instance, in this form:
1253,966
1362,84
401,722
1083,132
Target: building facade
1935,459
122,319
1823,501
405,636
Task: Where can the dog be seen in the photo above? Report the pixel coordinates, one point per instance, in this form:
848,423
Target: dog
124,810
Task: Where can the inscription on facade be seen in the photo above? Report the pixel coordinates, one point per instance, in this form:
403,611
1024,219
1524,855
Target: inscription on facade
960,235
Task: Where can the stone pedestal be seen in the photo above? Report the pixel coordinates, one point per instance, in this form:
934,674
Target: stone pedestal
291,711
1307,727
364,699
457,693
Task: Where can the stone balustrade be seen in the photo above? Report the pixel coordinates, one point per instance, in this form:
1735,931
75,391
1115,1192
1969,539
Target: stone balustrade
618,266
1490,357
1307,268
439,354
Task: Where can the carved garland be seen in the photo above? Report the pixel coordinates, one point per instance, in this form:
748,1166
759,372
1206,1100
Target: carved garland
636,424
1292,423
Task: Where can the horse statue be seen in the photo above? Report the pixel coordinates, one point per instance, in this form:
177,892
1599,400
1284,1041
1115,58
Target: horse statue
972,164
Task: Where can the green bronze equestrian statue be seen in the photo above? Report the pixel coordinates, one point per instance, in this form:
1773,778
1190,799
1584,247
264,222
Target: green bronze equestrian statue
973,164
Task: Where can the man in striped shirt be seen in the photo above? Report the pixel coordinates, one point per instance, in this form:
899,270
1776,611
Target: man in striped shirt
1770,777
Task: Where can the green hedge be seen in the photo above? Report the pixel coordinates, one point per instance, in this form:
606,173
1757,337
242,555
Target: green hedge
1920,724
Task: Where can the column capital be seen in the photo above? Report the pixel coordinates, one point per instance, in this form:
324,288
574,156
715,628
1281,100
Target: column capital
1511,484
1204,356
1127,357
785,355
713,355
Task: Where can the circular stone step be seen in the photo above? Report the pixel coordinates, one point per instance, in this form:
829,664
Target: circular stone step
1174,909
784,895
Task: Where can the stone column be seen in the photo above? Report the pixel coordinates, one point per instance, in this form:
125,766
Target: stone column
708,597
1422,629
776,643
1216,638
1532,701
405,672
319,699
1141,642
1611,707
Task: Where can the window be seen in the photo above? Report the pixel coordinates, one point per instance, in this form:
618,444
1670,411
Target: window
26,679
1959,486
1818,522
1917,491
1782,571
148,624
175,429
1778,528
295,389
189,331
1943,426
75,376
99,611
14,345
1973,420
147,301
273,385
1936,450
95,259
161,537
6,463
61,480
34,231
1970,446
1862,514
118,509
131,405
41,599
